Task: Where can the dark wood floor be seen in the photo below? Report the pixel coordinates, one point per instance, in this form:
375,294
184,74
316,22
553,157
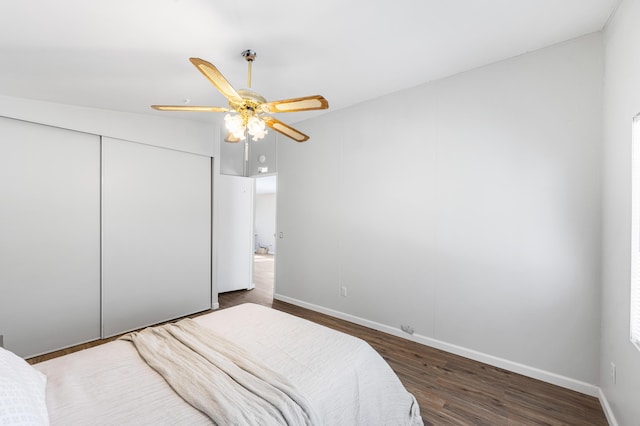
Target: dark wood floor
451,390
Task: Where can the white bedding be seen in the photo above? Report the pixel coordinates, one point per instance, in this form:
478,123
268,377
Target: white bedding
342,377
190,357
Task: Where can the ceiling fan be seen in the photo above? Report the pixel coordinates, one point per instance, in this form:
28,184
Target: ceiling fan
252,109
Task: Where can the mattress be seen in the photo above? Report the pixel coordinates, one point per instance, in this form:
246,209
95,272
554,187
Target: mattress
342,377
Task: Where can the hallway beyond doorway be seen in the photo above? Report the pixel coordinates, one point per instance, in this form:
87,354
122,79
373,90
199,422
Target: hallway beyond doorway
263,277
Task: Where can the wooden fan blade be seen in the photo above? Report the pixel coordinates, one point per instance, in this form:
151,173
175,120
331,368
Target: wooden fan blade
285,129
297,104
216,78
189,108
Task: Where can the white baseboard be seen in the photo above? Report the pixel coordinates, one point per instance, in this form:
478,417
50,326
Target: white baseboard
215,306
536,373
608,412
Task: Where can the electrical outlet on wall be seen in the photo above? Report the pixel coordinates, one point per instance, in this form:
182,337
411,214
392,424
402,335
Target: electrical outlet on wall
407,329
343,291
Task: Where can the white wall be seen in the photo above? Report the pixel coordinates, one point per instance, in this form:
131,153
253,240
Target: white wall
265,221
468,208
622,102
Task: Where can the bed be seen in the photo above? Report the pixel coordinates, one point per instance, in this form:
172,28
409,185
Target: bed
337,379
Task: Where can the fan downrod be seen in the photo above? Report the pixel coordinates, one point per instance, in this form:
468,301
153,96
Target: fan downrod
250,56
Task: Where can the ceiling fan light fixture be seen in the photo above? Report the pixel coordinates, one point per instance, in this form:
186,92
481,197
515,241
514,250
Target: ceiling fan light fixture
256,128
238,125
234,125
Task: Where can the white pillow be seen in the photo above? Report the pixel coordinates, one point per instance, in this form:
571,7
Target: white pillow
22,392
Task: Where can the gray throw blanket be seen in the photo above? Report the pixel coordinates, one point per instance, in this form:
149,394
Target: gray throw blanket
219,378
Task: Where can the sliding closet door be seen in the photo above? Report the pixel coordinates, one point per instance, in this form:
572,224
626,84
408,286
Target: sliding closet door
49,237
156,235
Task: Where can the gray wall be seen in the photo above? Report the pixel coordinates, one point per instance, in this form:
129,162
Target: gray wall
232,155
622,102
468,208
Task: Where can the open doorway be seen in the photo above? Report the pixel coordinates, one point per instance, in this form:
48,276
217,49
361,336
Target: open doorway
264,225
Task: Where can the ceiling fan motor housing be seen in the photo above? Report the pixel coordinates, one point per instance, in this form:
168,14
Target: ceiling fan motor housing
249,55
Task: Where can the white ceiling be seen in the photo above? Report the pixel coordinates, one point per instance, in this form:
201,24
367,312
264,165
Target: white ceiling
127,54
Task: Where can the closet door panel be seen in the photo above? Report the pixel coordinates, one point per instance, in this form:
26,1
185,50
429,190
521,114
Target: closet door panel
49,237
156,240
